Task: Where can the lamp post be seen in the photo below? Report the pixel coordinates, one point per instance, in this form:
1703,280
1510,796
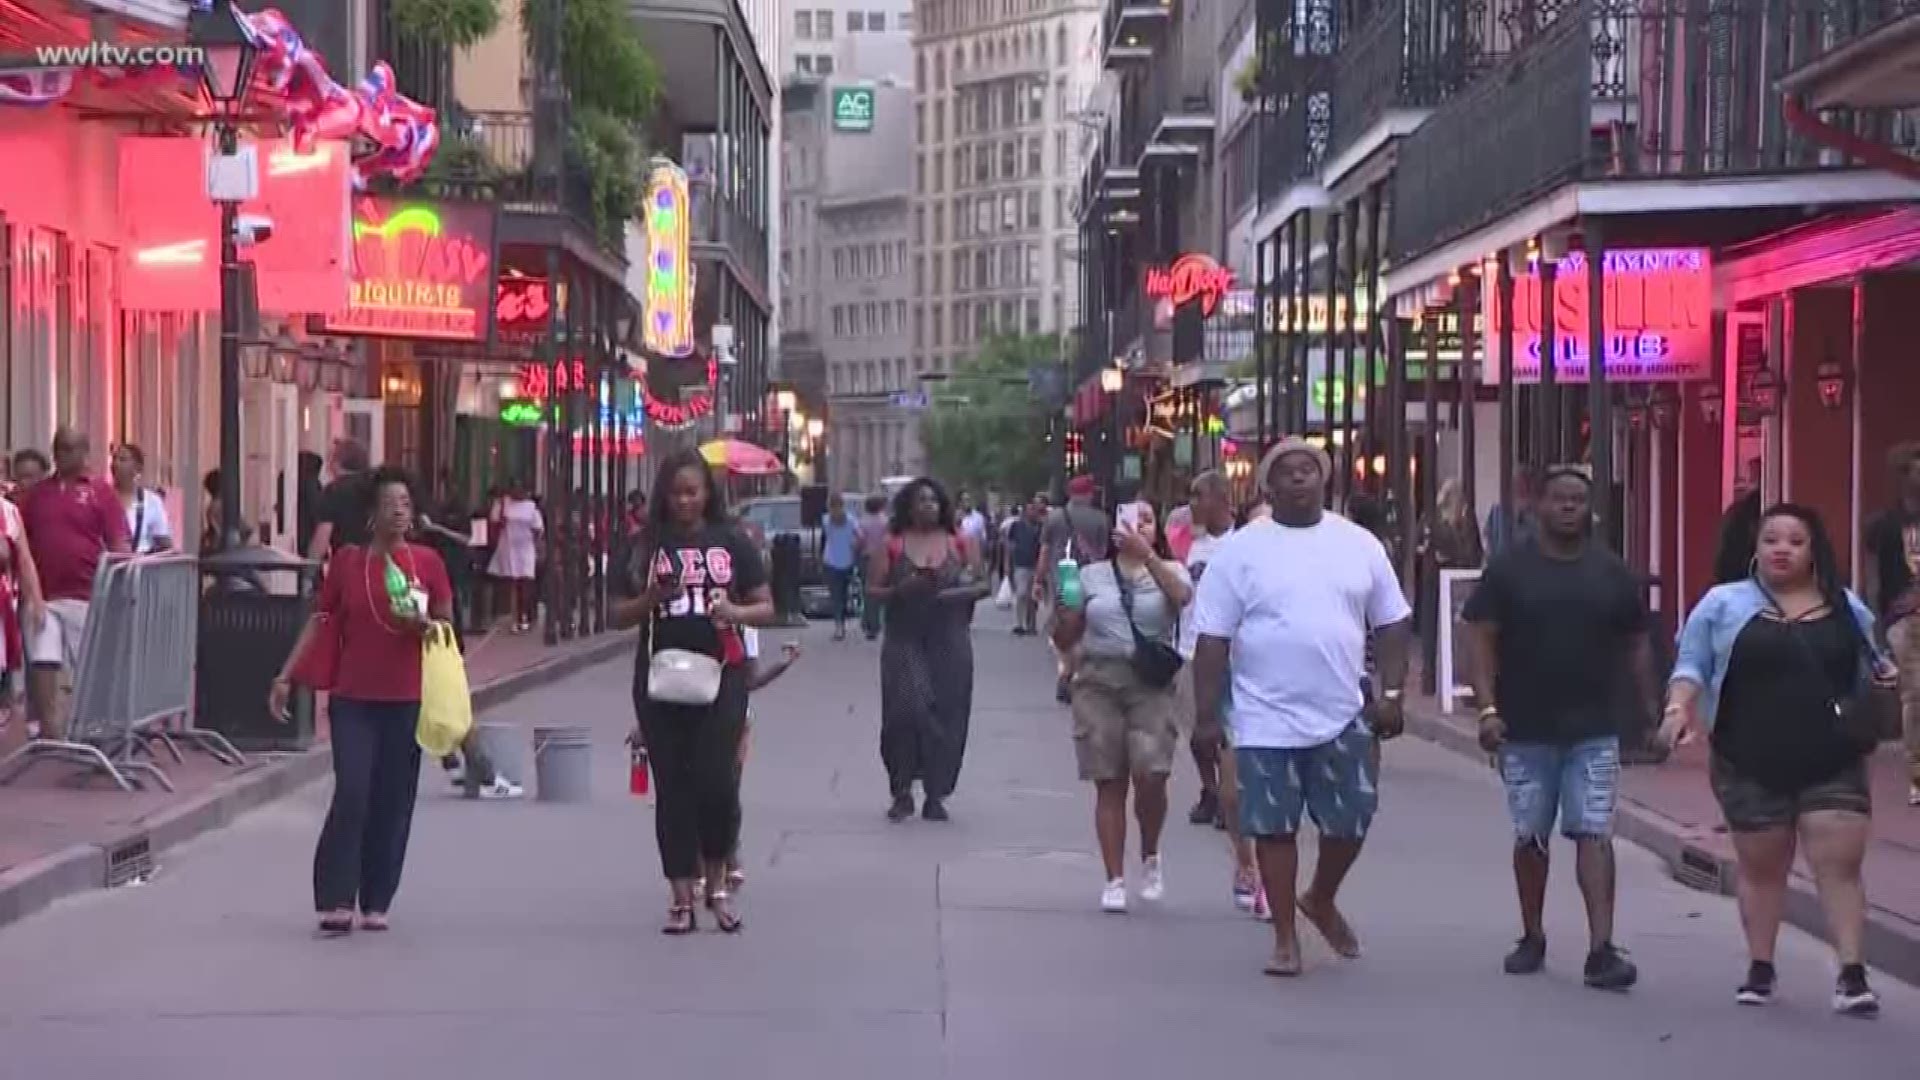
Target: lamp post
1113,381
226,69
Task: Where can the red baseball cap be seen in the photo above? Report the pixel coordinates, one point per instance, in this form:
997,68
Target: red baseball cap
1080,485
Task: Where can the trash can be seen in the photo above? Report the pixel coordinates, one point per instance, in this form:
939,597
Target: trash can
247,629
786,578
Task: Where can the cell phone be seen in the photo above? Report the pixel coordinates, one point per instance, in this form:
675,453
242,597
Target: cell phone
1129,516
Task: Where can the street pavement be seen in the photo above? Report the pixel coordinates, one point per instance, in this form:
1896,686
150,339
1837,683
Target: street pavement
526,939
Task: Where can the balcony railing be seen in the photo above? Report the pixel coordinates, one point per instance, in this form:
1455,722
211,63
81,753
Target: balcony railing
510,169
1618,89
717,220
1178,104
1407,54
1294,56
1132,25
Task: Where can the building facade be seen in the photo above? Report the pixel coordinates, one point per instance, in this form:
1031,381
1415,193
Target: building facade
997,156
849,39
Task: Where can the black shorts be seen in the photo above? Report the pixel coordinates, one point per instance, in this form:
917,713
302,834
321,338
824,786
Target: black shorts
1750,806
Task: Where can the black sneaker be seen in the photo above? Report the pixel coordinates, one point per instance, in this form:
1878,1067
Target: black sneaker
934,810
1529,955
1758,989
1609,969
1851,994
1205,811
902,808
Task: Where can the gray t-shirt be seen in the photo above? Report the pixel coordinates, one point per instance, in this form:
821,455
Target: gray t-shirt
1108,634
1086,526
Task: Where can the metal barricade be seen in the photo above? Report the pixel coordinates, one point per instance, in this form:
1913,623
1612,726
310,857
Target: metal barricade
135,673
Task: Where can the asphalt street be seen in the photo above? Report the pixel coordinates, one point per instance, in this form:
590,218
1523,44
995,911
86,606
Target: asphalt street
526,940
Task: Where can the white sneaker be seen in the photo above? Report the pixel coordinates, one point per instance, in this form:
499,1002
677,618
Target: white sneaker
502,788
1113,899
1261,910
1154,888
1913,794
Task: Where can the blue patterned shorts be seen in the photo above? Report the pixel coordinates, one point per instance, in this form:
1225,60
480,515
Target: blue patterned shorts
1336,783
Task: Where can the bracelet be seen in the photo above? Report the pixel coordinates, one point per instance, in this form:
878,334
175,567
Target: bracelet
1489,711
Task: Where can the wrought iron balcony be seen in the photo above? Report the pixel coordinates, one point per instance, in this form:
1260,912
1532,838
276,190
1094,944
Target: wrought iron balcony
1109,195
1407,55
1629,89
1294,56
506,161
1177,113
1132,29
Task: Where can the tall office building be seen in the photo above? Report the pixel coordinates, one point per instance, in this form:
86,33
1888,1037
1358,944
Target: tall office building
1000,88
846,162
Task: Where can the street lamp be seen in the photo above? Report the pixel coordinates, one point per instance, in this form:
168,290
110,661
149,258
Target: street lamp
226,70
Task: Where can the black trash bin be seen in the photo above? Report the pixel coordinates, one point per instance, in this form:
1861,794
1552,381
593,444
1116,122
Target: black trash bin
786,578
246,632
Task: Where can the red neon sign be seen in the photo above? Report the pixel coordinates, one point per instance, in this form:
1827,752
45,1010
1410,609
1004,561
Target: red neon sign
1658,312
521,306
567,375
681,414
420,270
1191,277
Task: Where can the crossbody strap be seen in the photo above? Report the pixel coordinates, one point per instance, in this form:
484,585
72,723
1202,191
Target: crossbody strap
1126,603
1863,648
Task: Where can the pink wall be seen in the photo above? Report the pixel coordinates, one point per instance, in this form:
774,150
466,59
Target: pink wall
60,173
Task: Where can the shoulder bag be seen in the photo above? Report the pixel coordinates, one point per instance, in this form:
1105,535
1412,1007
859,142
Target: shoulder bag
1154,661
1861,712
679,676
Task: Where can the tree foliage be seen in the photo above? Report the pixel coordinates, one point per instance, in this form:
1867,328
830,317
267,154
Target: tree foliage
984,429
457,24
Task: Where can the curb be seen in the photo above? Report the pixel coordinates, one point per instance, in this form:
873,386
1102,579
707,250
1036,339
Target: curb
33,886
1701,859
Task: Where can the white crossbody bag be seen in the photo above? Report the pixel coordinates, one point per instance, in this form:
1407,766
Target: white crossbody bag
680,676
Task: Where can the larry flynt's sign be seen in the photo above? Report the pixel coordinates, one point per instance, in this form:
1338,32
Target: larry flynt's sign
853,108
1658,314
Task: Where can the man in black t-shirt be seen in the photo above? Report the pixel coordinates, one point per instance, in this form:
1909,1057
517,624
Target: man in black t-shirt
1023,561
1555,624
343,517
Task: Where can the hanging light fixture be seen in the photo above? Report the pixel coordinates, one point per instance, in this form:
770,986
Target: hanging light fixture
1713,402
253,361
284,364
1831,380
227,52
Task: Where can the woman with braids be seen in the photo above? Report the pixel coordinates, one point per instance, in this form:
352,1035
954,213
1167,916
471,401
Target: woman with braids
929,577
1767,665
697,584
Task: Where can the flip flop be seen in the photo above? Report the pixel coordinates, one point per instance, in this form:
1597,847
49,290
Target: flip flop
1279,969
1333,927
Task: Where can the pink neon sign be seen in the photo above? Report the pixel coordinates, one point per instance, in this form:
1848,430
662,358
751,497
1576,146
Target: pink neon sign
1658,311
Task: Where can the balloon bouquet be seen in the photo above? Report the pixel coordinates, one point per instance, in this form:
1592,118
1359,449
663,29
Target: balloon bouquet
402,132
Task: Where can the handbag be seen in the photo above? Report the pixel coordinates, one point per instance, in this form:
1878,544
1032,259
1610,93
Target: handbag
679,676
1154,661
446,705
318,668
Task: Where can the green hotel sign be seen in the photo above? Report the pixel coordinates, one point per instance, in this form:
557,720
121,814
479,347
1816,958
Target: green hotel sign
853,108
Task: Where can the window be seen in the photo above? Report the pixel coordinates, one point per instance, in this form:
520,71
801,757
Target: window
939,285
939,170
839,264
1059,207
1008,316
1034,168
823,25
962,272
939,323
839,320
940,120
1033,264
803,25
900,314
1060,150
1010,266
939,223
803,64
1009,158
1009,212
982,268
903,20
1033,316
876,22
1033,209
962,322
823,65
856,21
873,377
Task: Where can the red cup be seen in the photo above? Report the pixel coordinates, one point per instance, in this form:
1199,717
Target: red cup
639,776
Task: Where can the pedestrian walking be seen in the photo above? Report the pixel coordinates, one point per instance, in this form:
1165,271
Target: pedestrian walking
1291,599
72,520
839,555
873,538
363,645
1023,562
148,528
1125,727
1210,508
1511,523
1557,624
519,528
764,672
1893,583
30,466
929,577
1778,670
342,518
23,609
700,581
1080,531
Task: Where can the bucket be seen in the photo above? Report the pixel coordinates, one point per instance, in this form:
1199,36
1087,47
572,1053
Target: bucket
563,764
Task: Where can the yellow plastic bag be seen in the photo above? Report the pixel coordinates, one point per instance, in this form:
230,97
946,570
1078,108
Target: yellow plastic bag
446,708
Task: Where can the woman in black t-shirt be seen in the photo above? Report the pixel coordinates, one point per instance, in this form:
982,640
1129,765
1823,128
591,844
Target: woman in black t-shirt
696,582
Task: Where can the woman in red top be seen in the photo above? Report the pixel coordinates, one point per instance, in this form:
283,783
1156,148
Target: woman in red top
374,706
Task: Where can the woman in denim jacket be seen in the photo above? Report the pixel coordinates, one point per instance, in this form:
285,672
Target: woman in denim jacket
1762,663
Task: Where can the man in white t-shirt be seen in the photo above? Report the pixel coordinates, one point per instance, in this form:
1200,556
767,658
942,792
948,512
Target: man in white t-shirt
1291,600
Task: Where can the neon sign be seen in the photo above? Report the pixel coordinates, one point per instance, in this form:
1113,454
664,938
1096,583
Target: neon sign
1657,309
520,412
420,270
1191,277
668,324
521,306
184,253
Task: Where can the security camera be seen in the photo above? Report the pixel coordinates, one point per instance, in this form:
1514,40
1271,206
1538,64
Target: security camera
250,229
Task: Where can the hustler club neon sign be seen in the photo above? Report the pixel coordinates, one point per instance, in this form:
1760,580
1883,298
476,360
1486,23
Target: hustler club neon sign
1657,309
1191,277
420,270
668,327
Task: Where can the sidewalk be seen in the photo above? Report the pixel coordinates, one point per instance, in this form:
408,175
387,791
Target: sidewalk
1669,810
57,838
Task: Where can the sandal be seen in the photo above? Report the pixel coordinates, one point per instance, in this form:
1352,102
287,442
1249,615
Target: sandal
680,920
334,926
720,906
736,878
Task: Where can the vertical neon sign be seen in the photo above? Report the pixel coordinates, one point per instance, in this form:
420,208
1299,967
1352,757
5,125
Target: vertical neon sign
669,301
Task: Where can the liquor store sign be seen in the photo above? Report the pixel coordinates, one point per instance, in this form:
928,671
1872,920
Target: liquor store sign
421,269
853,108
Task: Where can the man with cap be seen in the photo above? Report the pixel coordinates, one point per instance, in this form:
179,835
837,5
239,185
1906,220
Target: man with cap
1291,599
1080,531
